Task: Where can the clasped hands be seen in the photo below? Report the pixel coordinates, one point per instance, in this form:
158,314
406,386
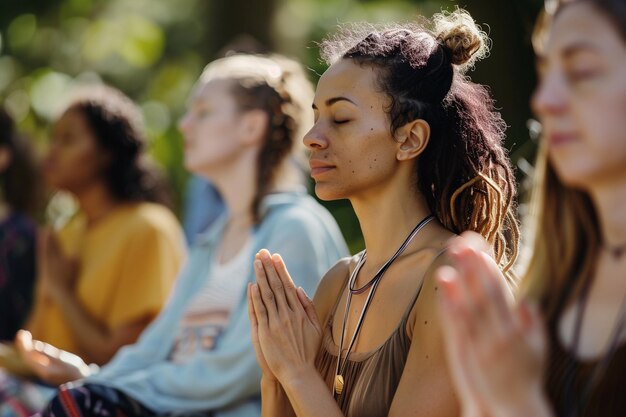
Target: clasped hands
285,330
496,347
57,272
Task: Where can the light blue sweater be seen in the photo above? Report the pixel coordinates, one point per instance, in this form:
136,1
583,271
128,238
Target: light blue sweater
226,379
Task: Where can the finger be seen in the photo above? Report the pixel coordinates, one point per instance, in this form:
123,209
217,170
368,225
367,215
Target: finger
260,312
453,331
254,324
483,295
309,308
497,288
24,341
267,296
276,286
531,323
288,284
472,240
491,291
459,289
450,315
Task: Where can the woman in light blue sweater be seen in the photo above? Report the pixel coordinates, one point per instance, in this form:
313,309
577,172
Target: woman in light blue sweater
241,132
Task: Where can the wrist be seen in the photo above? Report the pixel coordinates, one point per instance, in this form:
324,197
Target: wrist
270,382
295,376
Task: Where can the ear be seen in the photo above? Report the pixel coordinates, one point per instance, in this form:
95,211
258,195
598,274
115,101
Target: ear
5,158
412,139
253,127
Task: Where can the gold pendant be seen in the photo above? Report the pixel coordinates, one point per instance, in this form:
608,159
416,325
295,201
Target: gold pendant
338,384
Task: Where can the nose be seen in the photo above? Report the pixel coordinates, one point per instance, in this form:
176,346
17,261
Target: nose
315,139
184,123
550,97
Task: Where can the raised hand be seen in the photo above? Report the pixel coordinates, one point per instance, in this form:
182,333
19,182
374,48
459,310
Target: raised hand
57,272
496,348
288,333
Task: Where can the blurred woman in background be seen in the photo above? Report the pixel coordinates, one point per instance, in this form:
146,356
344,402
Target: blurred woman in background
242,133
106,274
417,149
567,357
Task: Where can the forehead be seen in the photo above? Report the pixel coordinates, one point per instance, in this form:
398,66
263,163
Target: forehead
217,89
581,25
348,79
70,118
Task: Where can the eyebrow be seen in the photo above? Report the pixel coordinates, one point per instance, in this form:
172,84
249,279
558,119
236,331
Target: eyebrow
334,100
578,47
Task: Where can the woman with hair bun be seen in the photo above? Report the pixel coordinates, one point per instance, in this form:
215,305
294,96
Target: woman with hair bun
417,149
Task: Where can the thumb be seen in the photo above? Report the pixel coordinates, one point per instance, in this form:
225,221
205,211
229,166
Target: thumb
309,308
529,317
24,341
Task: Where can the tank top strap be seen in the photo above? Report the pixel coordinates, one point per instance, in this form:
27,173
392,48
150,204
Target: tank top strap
339,294
409,308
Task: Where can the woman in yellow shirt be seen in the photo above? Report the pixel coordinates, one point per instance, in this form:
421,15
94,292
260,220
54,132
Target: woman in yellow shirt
106,274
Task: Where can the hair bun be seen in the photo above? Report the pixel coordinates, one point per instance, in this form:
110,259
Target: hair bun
460,35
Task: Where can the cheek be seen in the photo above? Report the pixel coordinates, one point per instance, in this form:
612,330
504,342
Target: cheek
603,124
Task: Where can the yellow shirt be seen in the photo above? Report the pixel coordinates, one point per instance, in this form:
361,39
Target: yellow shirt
128,262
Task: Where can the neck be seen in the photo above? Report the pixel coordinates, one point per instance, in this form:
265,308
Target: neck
95,202
237,188
609,202
386,220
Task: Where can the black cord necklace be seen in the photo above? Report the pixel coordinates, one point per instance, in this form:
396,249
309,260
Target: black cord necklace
371,285
579,402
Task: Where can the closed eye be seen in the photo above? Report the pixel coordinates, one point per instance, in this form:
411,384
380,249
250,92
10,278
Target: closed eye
340,122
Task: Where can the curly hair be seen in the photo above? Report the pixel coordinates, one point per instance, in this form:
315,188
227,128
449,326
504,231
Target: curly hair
116,124
464,172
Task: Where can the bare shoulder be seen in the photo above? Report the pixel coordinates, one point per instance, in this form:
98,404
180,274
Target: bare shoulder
331,284
423,318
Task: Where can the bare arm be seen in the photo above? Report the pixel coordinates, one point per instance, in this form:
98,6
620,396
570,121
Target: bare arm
425,388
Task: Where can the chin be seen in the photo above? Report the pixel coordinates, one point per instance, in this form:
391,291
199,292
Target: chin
576,177
327,193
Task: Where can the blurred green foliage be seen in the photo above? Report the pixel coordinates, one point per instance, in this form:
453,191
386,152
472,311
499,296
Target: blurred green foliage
154,49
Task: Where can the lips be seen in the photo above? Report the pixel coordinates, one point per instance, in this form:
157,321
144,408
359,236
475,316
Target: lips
560,138
319,167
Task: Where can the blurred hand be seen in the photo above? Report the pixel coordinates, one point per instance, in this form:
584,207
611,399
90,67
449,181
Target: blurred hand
57,273
496,349
53,366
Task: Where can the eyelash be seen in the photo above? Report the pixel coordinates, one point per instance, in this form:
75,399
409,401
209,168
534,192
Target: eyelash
340,122
579,76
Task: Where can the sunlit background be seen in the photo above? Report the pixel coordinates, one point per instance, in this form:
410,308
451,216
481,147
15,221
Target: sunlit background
153,50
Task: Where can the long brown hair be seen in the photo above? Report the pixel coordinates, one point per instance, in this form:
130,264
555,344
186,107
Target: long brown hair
464,172
566,232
